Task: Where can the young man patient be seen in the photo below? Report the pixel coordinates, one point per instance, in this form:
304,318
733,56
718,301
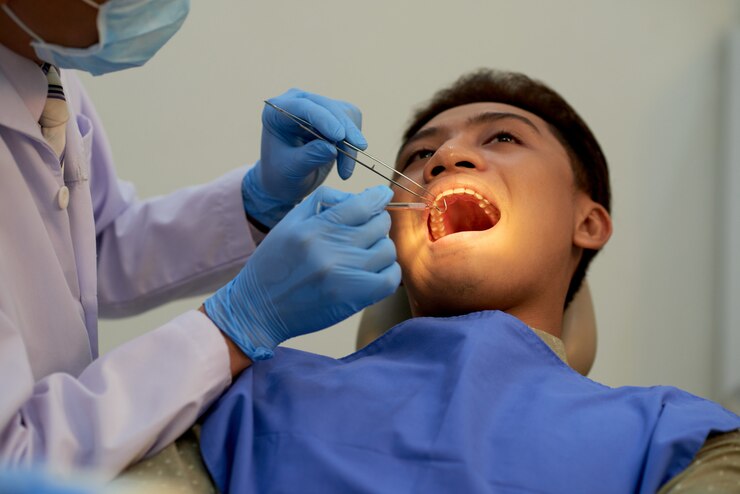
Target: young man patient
472,394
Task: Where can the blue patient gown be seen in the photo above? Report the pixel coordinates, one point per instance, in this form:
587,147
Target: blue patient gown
477,403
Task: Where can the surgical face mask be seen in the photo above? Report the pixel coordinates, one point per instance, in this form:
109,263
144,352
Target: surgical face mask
130,32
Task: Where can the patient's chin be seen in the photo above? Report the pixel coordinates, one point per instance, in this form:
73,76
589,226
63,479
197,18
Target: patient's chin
444,300
458,283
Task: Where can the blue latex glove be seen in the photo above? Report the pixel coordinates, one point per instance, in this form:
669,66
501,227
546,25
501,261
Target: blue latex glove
327,259
292,161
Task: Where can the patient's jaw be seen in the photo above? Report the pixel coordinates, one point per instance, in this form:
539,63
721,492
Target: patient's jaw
515,225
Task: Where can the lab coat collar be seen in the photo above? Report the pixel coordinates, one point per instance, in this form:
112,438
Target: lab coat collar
23,89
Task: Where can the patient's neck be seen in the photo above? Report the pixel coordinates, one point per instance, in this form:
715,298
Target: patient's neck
548,319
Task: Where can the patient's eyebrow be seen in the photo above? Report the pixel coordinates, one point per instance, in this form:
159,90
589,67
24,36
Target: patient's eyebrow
422,134
495,116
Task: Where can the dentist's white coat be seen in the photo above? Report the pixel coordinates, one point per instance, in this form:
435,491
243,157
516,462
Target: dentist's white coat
106,251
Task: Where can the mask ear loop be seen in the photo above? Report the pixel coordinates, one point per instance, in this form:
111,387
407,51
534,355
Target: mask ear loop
21,24
92,4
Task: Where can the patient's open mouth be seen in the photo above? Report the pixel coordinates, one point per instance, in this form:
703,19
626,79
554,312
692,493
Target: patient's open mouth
467,210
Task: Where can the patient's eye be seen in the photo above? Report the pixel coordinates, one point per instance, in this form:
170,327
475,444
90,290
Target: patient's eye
421,154
503,136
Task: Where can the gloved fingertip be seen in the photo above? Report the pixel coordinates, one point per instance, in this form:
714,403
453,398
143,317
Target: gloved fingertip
345,168
380,194
337,134
358,139
396,275
383,191
328,196
316,152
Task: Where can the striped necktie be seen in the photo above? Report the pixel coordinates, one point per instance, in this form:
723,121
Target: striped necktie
55,115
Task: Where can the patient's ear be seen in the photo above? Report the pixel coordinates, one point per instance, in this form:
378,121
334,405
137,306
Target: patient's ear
593,224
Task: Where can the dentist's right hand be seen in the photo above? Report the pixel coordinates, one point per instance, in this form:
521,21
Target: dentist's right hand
293,162
327,259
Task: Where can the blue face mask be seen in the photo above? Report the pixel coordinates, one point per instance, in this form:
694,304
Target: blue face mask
130,32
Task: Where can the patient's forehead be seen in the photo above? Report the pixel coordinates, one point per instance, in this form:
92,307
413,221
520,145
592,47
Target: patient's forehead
460,115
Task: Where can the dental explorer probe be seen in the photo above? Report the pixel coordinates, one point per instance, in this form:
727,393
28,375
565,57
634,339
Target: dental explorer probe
305,125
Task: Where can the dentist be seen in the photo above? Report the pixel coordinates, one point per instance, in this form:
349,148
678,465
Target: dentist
75,242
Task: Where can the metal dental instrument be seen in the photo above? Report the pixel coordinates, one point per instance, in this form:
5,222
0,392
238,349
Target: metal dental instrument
305,125
401,206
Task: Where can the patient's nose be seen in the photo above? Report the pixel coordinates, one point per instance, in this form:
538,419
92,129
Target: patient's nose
440,168
454,156
435,168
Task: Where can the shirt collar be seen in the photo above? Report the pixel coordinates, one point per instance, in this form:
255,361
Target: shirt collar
555,343
23,89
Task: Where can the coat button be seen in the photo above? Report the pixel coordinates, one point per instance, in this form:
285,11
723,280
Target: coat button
63,197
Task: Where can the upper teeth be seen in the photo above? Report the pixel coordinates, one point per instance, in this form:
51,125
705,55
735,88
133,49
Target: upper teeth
483,203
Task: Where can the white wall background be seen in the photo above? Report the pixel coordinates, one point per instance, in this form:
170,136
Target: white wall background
729,274
645,75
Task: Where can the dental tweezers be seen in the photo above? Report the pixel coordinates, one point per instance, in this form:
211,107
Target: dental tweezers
305,125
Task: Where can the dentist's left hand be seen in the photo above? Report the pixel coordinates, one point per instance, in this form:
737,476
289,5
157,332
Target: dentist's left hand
293,162
316,268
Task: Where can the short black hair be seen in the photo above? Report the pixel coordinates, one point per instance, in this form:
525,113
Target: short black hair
516,89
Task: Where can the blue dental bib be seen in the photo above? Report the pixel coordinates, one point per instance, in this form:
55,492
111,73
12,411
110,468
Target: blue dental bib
477,403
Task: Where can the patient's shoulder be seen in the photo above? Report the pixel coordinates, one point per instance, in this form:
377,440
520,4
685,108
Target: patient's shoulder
715,468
